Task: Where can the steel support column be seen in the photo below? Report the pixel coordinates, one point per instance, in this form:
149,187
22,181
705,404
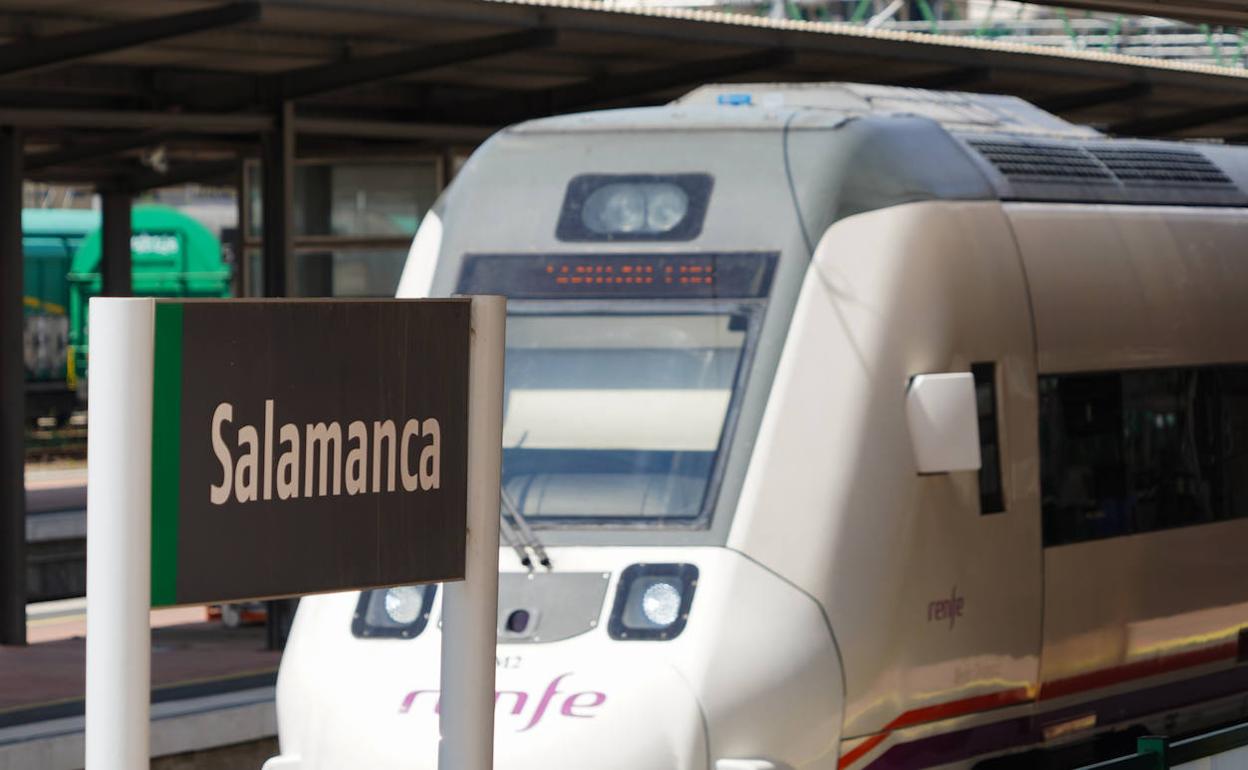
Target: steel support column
115,261
12,396
277,158
278,167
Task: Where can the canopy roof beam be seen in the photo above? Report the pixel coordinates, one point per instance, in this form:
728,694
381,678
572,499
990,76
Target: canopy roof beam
191,122
95,149
314,81
1179,121
62,49
204,171
598,90
1080,100
959,76
530,104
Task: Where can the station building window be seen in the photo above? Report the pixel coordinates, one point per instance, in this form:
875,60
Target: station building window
1124,453
353,223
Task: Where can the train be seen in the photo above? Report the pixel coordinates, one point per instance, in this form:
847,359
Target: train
173,256
846,427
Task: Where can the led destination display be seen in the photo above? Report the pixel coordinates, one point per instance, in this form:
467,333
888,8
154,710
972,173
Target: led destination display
304,446
630,276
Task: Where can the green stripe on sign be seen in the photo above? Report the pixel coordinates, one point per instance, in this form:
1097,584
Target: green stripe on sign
166,445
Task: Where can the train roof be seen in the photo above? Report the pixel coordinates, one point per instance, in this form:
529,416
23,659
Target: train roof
72,222
1024,152
766,106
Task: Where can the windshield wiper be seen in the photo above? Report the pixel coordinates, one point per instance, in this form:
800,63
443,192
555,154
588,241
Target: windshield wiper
527,537
508,535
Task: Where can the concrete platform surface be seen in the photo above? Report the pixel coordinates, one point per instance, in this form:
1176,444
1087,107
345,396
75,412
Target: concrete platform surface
211,687
50,676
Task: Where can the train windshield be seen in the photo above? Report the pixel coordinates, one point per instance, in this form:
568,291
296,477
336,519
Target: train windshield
624,377
619,416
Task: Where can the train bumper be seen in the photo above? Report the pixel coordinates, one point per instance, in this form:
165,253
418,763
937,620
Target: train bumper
731,692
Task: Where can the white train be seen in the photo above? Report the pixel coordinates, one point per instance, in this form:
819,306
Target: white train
769,543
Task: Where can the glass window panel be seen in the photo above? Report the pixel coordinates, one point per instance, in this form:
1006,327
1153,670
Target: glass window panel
1131,452
351,199
379,199
253,265
255,200
617,416
358,272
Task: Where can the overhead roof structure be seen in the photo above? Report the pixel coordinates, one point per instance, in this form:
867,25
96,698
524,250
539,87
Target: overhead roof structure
92,84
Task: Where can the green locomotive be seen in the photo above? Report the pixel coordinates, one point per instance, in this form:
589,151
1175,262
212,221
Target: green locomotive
173,256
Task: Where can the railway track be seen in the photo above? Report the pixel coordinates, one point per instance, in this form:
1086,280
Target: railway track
46,445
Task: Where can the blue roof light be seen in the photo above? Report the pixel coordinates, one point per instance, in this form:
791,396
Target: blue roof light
735,100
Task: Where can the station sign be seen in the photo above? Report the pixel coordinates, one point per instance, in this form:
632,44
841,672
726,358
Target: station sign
307,446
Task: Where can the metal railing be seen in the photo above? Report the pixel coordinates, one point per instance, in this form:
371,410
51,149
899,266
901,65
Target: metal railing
1157,753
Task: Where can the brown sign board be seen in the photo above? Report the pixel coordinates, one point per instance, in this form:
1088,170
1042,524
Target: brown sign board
302,446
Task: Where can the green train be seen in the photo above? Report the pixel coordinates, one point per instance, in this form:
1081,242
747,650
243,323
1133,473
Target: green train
173,256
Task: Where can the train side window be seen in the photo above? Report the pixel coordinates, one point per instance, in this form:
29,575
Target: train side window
991,493
1140,451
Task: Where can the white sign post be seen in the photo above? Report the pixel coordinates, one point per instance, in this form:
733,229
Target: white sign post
124,385
119,557
470,607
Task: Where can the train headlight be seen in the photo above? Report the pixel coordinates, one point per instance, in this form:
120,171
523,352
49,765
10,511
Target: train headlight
401,612
652,601
666,205
402,604
660,603
635,208
616,208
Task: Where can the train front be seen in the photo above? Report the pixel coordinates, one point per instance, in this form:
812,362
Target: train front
651,259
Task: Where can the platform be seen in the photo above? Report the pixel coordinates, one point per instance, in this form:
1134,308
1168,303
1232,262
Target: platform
211,687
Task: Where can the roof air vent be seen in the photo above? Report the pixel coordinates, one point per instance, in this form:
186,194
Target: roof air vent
1107,171
1152,166
1034,162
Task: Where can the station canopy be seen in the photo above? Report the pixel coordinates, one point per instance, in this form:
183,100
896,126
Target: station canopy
95,86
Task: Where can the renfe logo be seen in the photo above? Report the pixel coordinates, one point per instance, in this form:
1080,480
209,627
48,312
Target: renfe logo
579,705
950,608
418,441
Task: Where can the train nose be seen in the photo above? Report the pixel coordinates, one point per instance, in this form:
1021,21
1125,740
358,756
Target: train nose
600,719
565,718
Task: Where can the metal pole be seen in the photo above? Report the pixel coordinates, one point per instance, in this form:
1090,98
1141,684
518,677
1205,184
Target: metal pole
119,533
12,396
470,608
115,258
278,171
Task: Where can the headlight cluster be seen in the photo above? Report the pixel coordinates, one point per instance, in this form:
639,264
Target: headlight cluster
401,612
652,601
635,208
